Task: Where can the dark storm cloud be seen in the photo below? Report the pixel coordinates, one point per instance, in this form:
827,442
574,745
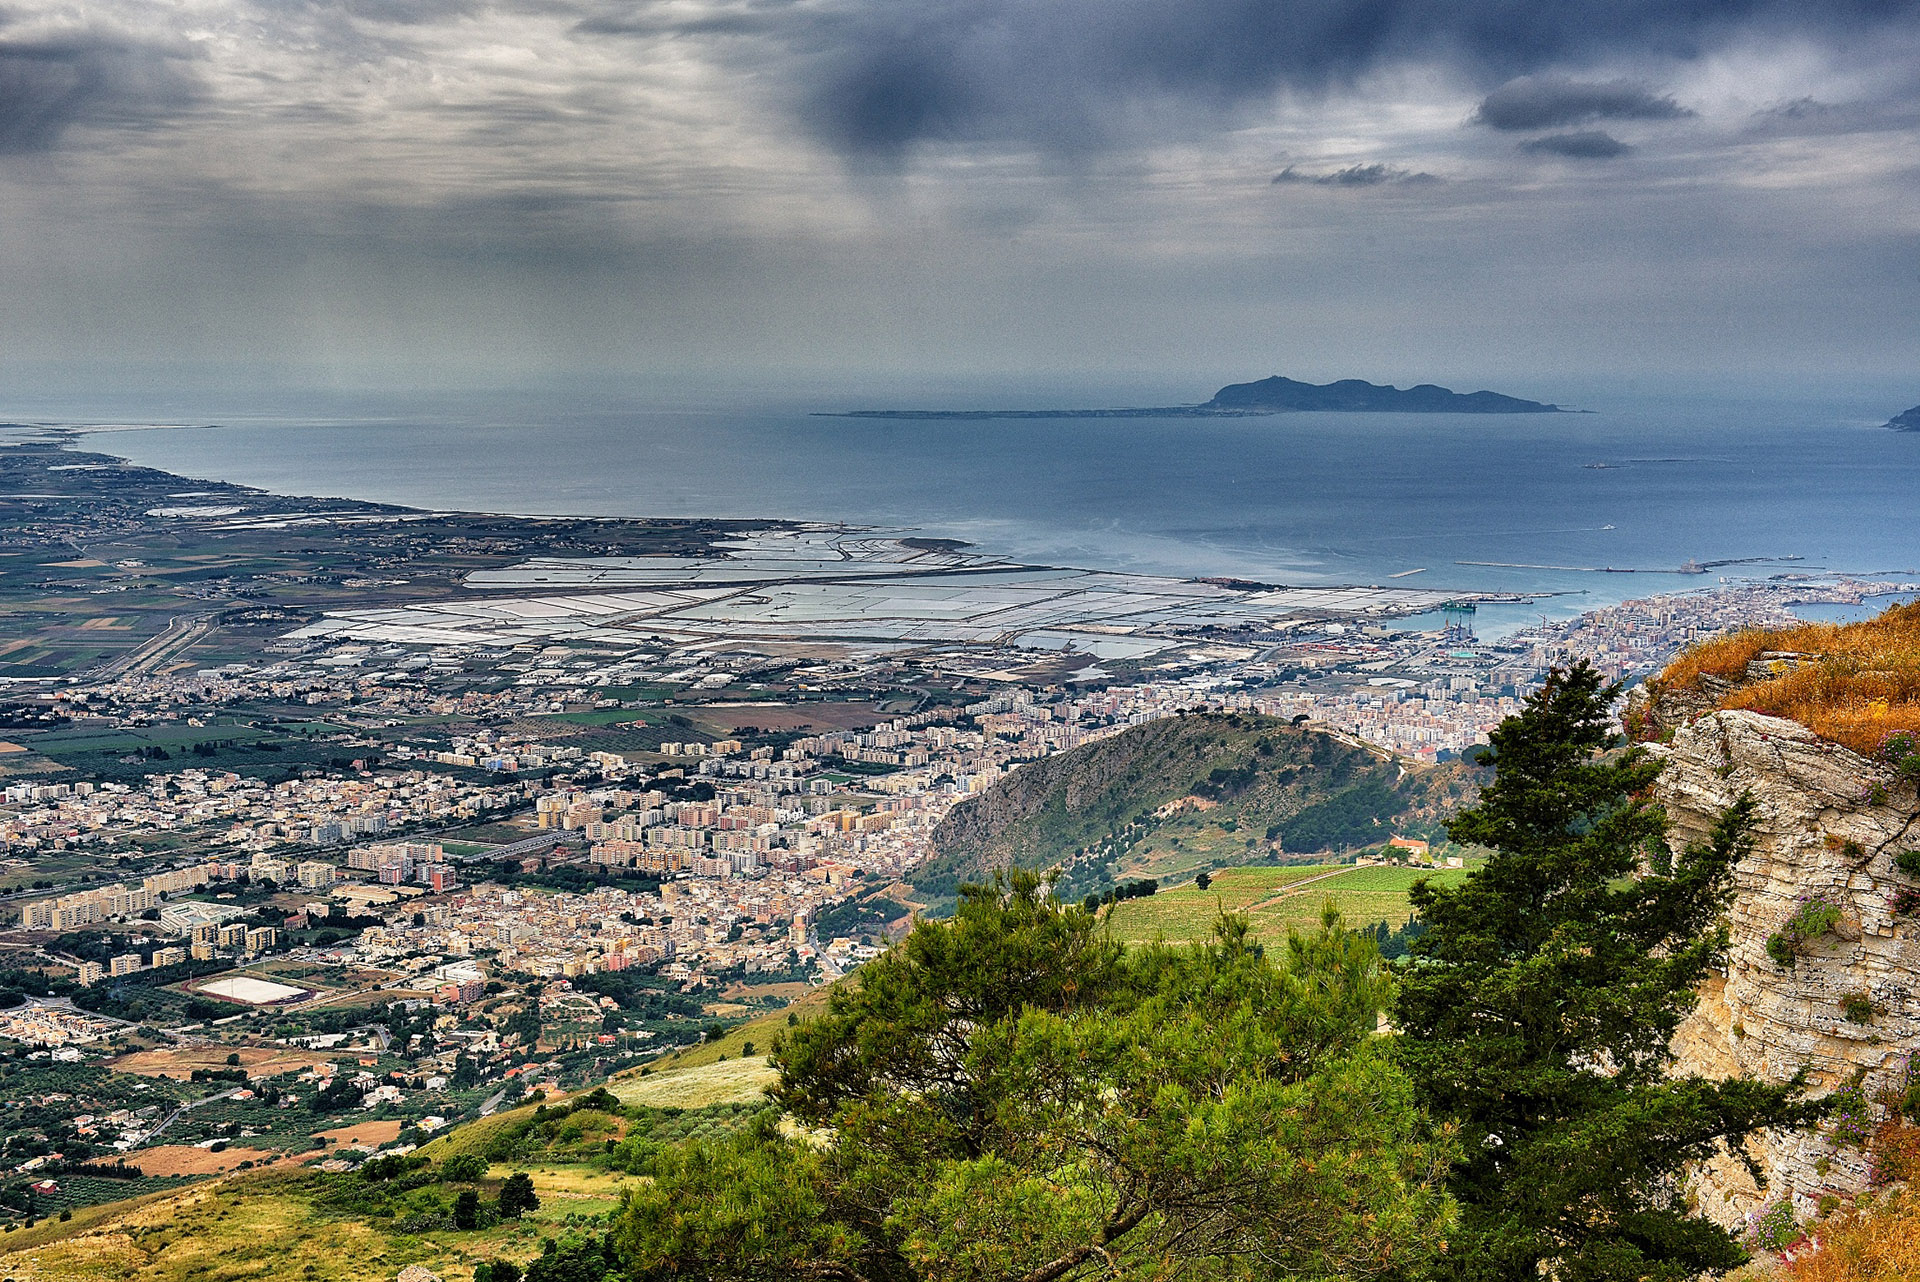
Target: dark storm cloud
50,84
1357,176
1553,102
1583,144
1063,74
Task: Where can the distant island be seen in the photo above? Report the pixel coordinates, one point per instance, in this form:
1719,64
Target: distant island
1907,422
1274,395
1352,395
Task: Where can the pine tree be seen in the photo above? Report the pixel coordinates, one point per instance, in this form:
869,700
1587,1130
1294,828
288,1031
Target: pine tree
517,1196
1010,1096
1540,1008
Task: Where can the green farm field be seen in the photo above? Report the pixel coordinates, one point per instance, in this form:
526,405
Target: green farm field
1276,899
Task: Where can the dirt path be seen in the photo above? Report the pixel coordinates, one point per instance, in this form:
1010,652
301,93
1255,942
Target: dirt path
1293,888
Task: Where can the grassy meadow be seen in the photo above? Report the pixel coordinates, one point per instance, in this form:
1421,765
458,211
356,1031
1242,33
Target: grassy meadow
1276,899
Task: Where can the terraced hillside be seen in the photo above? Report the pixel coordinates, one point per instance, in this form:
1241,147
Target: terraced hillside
1187,793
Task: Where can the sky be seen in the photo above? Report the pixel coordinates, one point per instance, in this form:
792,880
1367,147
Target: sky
470,192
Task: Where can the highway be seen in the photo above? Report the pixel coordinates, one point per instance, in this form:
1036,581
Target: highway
180,633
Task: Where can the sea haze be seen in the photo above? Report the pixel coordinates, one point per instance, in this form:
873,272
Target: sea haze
1294,498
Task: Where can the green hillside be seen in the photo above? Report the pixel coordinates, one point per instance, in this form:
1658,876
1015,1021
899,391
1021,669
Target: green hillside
1186,793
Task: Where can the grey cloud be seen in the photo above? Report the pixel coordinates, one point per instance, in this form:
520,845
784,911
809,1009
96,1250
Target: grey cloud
1552,102
1358,176
1070,74
391,12
1799,109
49,85
1811,118
1584,144
646,20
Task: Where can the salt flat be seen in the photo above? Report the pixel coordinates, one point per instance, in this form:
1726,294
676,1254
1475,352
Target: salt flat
856,589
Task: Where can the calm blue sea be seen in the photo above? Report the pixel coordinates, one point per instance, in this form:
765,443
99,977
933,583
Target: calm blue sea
1643,484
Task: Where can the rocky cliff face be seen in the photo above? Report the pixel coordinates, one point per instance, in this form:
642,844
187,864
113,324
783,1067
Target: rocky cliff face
1830,824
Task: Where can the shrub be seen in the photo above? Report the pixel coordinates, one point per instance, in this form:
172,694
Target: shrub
1904,1098
1815,916
464,1168
1857,1007
1780,950
1908,862
1895,1153
1772,1227
1901,750
1852,1116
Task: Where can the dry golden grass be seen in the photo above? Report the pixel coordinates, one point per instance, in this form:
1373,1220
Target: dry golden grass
1865,686
185,1159
734,1081
1878,1245
369,1132
180,1061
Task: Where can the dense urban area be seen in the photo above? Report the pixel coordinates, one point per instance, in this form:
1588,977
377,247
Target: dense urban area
278,881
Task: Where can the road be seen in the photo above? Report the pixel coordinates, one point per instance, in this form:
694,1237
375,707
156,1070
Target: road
150,654
182,1111
1294,888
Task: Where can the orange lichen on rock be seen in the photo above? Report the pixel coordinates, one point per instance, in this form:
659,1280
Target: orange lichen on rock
1854,684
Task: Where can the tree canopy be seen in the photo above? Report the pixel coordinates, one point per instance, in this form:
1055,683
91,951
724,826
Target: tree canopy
1010,1095
1541,1004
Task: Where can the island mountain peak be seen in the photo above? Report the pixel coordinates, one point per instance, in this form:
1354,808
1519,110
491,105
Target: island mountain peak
1274,395
1356,395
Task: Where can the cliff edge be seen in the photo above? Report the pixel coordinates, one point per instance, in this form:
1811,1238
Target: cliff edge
1821,724
1829,825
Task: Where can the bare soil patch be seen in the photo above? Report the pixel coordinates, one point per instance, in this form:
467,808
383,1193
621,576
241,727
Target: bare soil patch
185,1159
180,1061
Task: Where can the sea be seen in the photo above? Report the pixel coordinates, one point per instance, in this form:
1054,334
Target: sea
1589,508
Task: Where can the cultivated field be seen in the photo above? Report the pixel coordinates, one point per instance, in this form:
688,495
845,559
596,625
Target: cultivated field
189,1159
369,1132
179,1062
1275,899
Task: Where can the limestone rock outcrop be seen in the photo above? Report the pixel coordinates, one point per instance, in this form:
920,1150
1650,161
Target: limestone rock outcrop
1829,826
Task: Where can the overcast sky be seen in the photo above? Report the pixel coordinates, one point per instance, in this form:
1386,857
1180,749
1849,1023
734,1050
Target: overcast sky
466,190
